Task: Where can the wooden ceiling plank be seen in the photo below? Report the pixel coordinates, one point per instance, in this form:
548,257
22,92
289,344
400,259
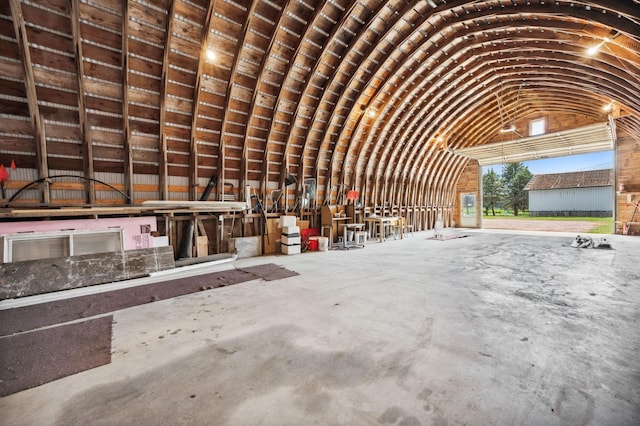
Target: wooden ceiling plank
150,16
101,18
37,121
100,36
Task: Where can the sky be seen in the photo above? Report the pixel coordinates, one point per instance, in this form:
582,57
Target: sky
572,163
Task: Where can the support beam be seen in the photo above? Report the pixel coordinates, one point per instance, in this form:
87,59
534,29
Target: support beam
85,128
244,166
163,186
193,149
37,122
126,131
225,118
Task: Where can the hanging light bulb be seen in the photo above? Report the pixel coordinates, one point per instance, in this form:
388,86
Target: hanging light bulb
210,54
594,49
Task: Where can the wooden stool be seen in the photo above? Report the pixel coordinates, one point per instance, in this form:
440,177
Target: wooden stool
330,229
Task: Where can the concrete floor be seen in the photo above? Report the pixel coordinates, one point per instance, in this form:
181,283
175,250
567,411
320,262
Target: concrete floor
494,329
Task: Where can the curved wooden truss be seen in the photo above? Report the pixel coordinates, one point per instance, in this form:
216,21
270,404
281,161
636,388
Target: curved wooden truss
155,97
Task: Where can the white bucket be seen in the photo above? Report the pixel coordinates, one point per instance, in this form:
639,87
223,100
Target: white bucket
323,243
361,237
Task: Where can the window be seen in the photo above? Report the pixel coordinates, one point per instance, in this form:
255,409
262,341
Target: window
47,245
537,127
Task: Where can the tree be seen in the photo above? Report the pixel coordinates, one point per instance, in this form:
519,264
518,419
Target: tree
515,177
491,191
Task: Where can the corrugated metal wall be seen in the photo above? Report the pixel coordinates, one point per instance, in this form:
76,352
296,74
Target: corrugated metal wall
572,199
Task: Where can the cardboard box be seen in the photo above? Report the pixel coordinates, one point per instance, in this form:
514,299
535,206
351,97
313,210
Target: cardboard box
272,238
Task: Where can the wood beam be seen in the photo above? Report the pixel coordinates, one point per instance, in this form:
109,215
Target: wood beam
244,166
85,128
37,122
225,118
164,81
126,130
193,149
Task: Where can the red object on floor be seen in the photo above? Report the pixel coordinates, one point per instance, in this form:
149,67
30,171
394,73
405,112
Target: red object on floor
310,232
313,245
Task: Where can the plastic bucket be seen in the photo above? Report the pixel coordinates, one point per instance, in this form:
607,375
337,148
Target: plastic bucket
323,243
313,243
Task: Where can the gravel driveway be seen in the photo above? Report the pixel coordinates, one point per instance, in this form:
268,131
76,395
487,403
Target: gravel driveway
539,225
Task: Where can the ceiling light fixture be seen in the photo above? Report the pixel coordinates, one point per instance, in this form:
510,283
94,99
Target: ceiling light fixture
507,129
211,55
594,49
509,126
608,107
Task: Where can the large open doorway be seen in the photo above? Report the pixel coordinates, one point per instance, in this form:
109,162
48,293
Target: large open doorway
570,194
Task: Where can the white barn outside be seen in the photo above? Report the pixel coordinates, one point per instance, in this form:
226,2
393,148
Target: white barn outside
587,193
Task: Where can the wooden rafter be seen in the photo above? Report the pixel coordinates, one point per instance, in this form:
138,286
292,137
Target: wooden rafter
252,107
366,103
126,130
37,122
293,84
163,185
85,128
193,146
326,40
285,155
225,117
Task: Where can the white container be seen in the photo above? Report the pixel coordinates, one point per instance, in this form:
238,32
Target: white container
323,243
361,237
287,221
285,239
291,230
293,249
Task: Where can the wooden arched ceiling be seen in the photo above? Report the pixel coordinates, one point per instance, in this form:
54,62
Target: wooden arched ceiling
155,97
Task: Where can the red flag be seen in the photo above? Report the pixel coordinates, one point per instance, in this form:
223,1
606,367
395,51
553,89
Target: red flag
3,173
13,165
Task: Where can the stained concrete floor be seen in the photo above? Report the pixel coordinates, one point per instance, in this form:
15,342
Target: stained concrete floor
493,329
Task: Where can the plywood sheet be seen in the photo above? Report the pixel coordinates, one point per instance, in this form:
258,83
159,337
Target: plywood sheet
41,356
